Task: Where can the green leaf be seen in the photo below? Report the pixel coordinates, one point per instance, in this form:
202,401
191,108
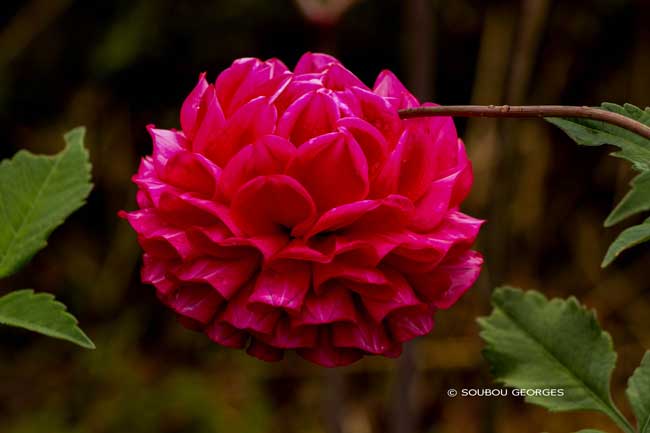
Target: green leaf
635,149
36,194
628,238
590,132
635,201
638,393
590,430
534,343
43,314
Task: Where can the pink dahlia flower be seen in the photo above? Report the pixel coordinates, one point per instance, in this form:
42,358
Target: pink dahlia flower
297,211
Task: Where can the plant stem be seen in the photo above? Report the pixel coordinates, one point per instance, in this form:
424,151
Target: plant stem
616,416
529,111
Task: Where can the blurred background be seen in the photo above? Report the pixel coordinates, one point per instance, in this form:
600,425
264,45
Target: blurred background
116,66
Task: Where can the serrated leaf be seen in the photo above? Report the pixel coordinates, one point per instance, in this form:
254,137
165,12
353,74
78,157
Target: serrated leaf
635,201
591,132
40,312
37,193
628,238
534,343
635,149
638,393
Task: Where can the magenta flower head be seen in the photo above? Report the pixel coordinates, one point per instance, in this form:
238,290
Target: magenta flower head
297,211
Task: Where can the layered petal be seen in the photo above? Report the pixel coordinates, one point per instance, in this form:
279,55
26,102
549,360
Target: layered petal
378,112
334,304
283,284
407,323
365,336
325,353
314,62
272,204
226,277
284,336
255,119
402,297
392,89
263,351
247,79
311,115
370,139
226,335
270,154
316,162
166,144
192,172
444,285
243,315
191,109
195,301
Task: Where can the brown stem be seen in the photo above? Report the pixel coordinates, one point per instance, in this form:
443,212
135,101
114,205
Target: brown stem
529,111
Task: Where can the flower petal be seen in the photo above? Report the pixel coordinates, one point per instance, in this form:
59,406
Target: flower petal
403,297
337,77
464,179
314,62
272,204
379,113
325,354
347,272
286,337
270,154
422,252
250,122
408,323
311,115
393,213
332,168
246,316
157,237
226,335
385,215
296,88
196,301
420,157
267,245
334,304
186,209
190,111
342,216
283,284
390,87
192,172
432,207
248,78
298,249
263,351
166,144
225,276
363,335
155,272
450,280
370,139
211,122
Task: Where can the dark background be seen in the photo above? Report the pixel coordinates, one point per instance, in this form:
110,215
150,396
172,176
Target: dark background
117,66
